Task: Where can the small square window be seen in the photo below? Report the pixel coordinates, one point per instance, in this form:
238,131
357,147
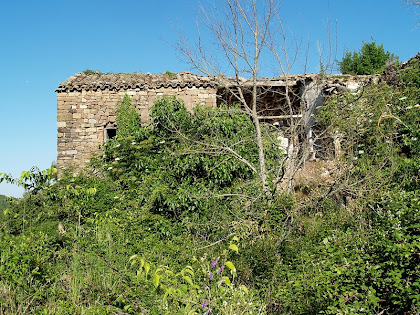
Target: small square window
110,131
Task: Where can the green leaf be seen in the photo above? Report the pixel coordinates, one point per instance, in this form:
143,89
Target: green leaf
243,288
194,292
188,279
184,288
147,267
168,291
91,191
234,247
156,279
230,265
227,281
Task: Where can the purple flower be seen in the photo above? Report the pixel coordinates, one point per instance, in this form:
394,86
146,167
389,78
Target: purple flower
208,311
204,305
214,262
220,270
211,275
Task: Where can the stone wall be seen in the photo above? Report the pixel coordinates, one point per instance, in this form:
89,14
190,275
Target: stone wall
83,115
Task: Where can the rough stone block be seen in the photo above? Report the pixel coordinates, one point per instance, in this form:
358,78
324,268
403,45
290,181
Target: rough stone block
64,116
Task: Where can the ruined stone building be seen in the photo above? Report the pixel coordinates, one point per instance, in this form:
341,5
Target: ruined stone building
87,102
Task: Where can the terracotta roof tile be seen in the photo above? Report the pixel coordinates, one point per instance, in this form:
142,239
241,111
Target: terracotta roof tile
121,81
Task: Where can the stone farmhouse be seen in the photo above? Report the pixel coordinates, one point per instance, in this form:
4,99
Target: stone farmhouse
87,102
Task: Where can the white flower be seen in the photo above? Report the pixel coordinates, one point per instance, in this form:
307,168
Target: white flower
133,142
417,105
403,98
118,145
409,107
361,151
414,138
116,197
161,142
110,168
117,159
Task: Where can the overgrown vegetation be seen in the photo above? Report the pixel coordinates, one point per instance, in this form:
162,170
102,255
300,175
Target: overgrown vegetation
362,236
169,221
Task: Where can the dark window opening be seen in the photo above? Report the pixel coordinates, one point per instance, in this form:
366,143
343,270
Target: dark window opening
110,131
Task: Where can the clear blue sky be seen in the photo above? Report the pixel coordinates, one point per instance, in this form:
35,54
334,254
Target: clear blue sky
44,42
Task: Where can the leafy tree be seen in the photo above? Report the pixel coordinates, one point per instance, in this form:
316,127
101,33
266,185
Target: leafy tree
371,59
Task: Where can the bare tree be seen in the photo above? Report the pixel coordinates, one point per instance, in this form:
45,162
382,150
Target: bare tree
415,3
249,35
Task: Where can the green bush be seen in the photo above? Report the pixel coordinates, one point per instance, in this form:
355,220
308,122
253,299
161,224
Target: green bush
371,59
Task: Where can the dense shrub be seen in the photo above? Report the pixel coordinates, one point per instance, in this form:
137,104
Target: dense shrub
371,59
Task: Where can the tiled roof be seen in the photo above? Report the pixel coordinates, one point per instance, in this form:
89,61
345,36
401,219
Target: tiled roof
122,81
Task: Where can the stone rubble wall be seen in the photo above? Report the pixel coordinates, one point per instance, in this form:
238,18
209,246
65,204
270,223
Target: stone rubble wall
82,117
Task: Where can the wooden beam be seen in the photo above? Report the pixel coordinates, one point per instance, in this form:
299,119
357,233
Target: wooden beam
281,116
